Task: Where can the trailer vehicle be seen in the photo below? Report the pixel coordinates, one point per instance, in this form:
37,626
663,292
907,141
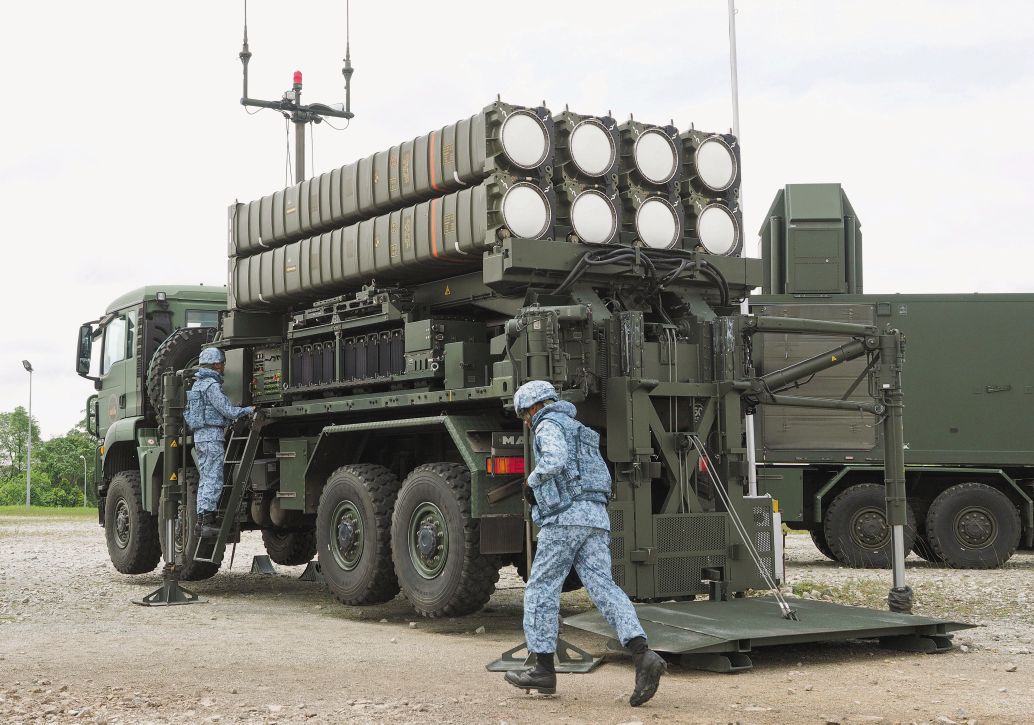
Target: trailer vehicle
969,432
383,314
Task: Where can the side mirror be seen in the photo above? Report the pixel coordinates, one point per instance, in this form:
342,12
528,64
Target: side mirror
85,351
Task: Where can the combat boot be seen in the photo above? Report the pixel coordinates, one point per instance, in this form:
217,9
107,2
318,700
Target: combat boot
206,526
541,677
649,666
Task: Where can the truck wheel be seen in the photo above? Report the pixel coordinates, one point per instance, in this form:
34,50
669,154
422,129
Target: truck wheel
435,543
856,528
973,526
131,532
186,542
353,534
178,350
290,548
818,537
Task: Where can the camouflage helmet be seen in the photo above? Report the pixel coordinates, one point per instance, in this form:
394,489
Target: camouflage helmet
533,391
211,356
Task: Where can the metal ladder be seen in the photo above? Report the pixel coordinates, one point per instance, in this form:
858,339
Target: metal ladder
237,463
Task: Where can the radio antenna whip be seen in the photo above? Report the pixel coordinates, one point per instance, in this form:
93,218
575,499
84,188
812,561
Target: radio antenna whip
290,104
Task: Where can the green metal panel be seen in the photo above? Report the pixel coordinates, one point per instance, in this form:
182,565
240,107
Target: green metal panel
811,242
742,624
786,486
968,381
293,457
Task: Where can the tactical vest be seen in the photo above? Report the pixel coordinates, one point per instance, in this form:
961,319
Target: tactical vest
198,412
584,477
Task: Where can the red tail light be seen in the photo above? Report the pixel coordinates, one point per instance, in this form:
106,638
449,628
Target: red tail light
504,465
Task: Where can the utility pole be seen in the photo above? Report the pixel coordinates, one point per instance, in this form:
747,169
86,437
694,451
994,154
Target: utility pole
748,425
290,105
28,456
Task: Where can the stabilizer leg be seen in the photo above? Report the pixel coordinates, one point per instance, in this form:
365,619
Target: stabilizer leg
170,593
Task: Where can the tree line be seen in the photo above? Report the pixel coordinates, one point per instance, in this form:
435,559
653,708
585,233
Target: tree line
57,469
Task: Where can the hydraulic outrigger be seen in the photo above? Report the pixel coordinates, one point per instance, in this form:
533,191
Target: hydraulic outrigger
718,634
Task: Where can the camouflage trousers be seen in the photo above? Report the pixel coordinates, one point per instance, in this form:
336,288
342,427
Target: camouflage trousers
210,457
587,549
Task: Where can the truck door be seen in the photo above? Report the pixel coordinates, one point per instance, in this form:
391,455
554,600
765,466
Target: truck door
113,371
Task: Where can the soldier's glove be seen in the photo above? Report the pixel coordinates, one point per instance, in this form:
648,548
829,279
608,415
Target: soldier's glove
529,494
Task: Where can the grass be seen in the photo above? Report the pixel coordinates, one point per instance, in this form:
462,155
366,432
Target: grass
52,512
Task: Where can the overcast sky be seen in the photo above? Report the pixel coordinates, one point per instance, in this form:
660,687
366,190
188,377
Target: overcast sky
123,141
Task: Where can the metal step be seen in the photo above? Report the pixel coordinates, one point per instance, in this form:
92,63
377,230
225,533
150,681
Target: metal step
211,550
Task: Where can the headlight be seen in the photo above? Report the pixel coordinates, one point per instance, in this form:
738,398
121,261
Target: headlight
526,211
657,224
655,156
718,231
592,148
593,217
525,139
715,164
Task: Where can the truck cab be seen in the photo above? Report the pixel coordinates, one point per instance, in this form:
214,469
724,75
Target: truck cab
123,353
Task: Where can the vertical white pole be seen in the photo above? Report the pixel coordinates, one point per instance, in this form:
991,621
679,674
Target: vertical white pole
28,456
752,474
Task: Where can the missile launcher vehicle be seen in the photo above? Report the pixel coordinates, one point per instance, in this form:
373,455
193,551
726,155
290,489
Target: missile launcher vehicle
383,314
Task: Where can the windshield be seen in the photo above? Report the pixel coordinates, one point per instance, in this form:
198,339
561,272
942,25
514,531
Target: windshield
114,344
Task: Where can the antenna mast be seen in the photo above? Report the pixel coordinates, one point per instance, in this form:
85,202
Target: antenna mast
290,105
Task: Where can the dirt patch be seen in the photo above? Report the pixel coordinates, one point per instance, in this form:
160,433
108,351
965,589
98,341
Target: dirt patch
274,649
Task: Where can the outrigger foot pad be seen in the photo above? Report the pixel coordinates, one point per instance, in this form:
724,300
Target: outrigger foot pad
569,658
168,594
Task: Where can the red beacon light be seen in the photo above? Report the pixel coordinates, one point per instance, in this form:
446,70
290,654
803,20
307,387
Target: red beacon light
298,79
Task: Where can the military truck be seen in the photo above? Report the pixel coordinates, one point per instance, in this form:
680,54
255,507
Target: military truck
382,315
141,333
969,434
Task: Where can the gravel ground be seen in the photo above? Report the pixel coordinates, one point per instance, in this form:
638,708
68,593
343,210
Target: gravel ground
273,649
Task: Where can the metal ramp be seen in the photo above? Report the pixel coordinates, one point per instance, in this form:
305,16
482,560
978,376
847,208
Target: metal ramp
240,456
717,635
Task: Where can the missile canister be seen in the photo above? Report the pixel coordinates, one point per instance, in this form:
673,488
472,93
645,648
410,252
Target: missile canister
653,218
502,137
711,164
440,237
651,156
588,213
711,189
586,148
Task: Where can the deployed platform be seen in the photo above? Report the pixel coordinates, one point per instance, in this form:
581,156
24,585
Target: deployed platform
718,635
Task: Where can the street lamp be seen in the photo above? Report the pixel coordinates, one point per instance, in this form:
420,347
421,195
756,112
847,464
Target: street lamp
83,459
28,457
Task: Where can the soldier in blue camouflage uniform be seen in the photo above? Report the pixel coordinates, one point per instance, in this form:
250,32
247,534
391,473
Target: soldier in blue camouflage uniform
571,487
216,411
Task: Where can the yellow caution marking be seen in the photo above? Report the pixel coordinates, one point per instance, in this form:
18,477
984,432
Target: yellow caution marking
174,444
833,358
173,477
447,291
